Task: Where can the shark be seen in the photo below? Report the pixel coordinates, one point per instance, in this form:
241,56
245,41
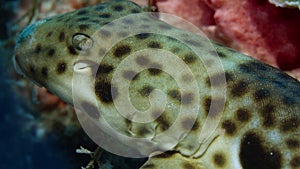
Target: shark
172,95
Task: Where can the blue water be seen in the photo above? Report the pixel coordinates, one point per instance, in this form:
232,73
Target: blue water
18,147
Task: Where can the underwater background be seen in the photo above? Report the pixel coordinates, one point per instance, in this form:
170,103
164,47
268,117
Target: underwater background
35,135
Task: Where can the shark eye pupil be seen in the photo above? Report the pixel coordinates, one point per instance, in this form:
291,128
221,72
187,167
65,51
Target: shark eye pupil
82,41
253,154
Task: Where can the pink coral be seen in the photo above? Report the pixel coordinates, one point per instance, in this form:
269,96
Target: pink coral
254,27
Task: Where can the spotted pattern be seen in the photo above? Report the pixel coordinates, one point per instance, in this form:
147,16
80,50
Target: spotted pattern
105,91
155,69
51,52
44,71
122,50
239,89
260,100
243,115
267,114
293,144
154,44
219,159
254,155
145,91
62,36
229,126
61,67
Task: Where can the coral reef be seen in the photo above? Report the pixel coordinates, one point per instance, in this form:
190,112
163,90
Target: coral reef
255,27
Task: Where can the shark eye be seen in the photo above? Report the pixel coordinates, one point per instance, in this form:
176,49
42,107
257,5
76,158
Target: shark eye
82,41
254,155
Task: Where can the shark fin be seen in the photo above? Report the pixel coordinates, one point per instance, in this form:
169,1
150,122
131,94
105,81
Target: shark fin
171,160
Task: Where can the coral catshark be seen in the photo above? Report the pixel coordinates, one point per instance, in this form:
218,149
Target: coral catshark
247,113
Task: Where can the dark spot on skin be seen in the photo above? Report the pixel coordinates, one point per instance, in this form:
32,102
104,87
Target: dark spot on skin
206,104
176,50
243,115
219,159
105,15
72,50
175,94
216,108
221,54
295,162
267,114
143,131
129,75
155,69
261,94
122,50
154,45
49,34
61,36
83,26
187,98
142,35
44,71
38,48
51,52
292,144
187,165
253,155
239,89
163,123
104,33
118,8
290,124
82,19
67,20
216,80
229,127
145,91
91,110
135,11
105,91
61,68
193,42
104,68
229,77
96,21
252,66
142,60
189,58
82,12
189,123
